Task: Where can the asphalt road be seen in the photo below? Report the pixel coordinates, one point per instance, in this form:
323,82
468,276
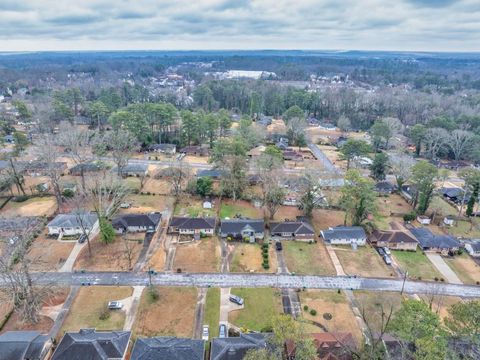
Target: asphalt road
254,280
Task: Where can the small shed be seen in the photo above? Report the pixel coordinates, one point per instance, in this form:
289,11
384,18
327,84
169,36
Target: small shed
424,220
207,204
449,220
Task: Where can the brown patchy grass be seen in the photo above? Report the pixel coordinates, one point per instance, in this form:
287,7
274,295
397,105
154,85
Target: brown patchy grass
87,306
394,203
248,258
196,159
147,203
287,212
193,206
372,304
198,256
277,127
440,304
331,302
109,257
465,267
159,186
48,254
307,259
172,314
38,206
323,219
364,262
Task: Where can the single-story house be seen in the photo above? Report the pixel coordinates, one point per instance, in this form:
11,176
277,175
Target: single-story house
394,239
292,155
265,120
345,235
195,150
192,226
327,126
94,345
340,141
293,230
38,168
409,192
211,173
137,222
329,345
86,168
454,194
72,224
134,169
384,187
429,241
20,345
168,348
473,248
169,149
254,179
282,144
235,348
12,225
248,229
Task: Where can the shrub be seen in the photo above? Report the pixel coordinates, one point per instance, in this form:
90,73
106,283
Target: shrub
313,312
436,278
442,279
153,294
266,266
104,312
68,193
149,193
409,217
305,307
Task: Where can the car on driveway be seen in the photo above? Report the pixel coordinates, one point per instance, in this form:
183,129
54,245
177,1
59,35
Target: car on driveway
205,333
387,251
236,299
381,251
115,305
82,239
222,331
278,246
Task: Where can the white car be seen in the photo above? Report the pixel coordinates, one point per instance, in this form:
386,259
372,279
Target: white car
205,333
387,251
115,305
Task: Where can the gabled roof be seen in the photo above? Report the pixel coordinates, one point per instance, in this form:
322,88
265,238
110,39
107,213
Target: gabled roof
170,348
344,232
141,220
235,226
17,223
384,186
213,173
162,147
19,345
329,345
139,168
92,345
88,167
235,348
296,227
451,192
72,220
394,236
190,223
429,240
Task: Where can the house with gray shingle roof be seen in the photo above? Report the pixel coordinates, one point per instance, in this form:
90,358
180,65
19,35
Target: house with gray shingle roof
170,348
345,235
92,345
192,226
300,230
235,348
134,169
72,224
137,222
429,241
248,229
20,345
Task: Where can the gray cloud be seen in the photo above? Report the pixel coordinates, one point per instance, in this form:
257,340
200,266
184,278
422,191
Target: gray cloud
182,24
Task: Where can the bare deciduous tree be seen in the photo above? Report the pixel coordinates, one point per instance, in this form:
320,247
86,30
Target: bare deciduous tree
177,175
401,167
459,141
120,143
435,138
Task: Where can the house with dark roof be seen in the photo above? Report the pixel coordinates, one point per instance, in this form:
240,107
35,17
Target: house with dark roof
246,229
192,226
292,155
91,167
137,222
300,230
384,187
12,225
134,169
211,173
72,224
473,248
409,192
329,345
168,149
39,168
455,194
235,348
429,241
93,345
264,120
170,348
24,345
394,239
345,235
195,150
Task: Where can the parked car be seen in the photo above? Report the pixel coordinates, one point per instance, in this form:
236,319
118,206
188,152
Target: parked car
222,332
205,333
236,299
387,251
381,251
387,259
82,239
278,246
115,305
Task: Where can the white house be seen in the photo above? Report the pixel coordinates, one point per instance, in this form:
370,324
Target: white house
192,226
345,235
73,224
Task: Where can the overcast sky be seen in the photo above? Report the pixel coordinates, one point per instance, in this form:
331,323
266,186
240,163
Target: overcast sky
442,25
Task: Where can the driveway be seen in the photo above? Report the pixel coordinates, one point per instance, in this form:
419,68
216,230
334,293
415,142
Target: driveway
443,268
199,313
131,307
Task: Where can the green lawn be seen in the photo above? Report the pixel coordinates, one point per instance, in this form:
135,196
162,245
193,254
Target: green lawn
192,208
417,265
261,305
133,183
465,229
441,207
303,258
212,311
241,207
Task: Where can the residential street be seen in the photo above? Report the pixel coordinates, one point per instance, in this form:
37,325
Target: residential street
254,280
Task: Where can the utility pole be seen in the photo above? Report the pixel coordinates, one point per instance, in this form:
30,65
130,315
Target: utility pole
403,284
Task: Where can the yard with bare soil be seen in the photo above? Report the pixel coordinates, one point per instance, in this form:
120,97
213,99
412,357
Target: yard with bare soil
287,212
248,258
333,312
147,203
364,261
111,257
157,186
37,206
89,306
323,219
373,305
466,268
198,256
172,314
307,259
47,253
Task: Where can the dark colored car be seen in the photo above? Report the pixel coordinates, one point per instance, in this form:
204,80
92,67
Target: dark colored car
82,239
278,246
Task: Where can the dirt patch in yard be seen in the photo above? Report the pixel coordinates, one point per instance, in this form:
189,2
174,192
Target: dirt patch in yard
147,203
199,256
196,159
110,257
172,314
364,261
287,212
157,186
393,203
88,305
157,260
332,303
38,206
48,254
322,219
465,267
248,258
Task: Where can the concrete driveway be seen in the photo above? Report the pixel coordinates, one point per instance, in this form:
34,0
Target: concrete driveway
443,268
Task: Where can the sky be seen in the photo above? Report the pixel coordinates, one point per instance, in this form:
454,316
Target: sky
403,25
